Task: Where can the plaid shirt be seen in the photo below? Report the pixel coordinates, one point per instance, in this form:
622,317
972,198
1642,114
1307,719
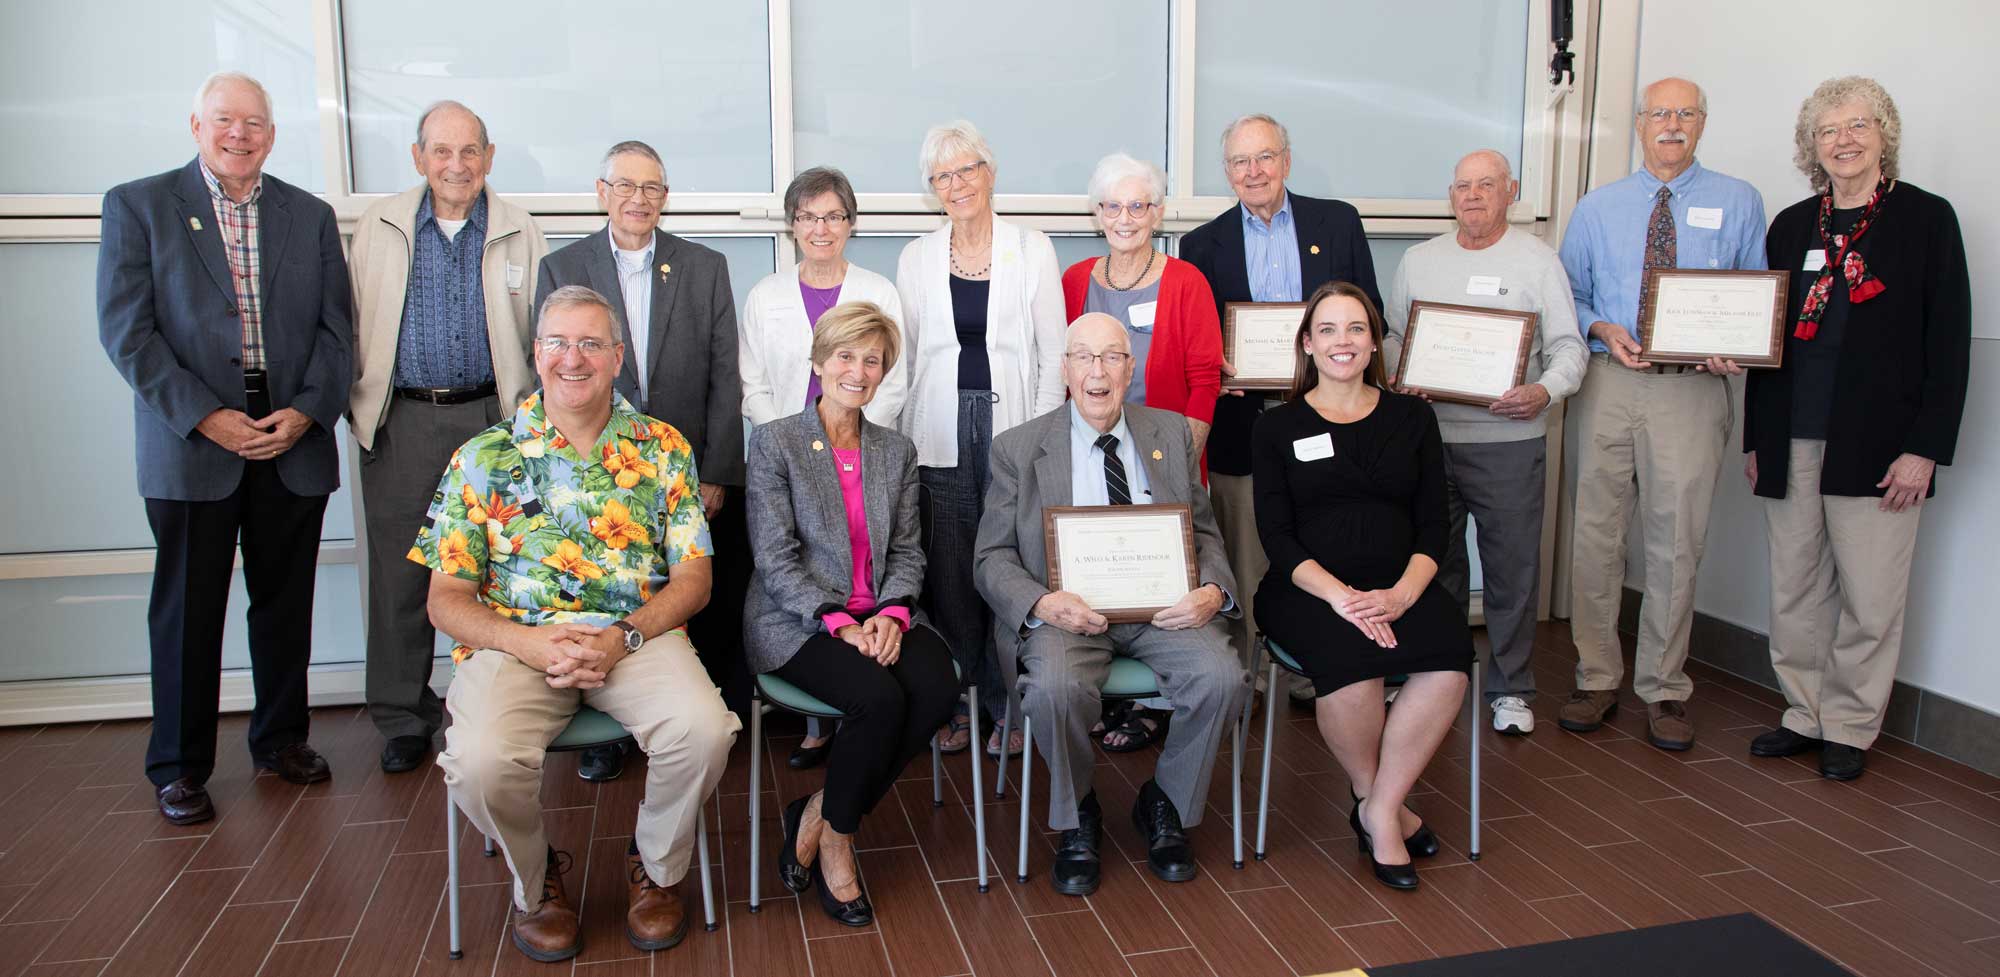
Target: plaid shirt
238,224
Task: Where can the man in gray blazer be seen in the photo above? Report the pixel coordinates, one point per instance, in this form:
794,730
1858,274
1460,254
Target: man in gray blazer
1096,450
222,299
673,302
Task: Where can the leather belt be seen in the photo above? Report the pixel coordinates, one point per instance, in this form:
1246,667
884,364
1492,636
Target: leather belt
1672,367
447,396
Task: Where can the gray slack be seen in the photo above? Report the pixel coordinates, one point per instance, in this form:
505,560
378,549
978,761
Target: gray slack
398,479
1500,484
1236,519
1065,672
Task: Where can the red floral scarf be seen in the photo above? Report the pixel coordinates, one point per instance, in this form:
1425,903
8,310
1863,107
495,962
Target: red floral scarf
1840,253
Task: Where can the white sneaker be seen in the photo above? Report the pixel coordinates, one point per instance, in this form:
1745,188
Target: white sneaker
1511,716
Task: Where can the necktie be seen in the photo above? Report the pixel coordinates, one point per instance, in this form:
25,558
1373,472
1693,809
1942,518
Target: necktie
1115,486
1660,234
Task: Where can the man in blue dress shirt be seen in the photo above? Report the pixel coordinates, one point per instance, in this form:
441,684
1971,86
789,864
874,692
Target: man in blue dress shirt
1650,435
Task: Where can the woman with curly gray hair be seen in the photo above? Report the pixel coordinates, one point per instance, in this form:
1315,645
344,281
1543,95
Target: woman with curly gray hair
1842,441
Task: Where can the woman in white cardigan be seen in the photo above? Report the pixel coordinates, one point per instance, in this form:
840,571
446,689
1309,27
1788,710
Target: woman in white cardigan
983,324
774,339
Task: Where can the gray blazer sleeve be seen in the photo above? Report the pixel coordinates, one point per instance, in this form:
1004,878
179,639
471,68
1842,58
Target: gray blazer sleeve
904,578
1213,561
1008,585
774,533
126,325
722,461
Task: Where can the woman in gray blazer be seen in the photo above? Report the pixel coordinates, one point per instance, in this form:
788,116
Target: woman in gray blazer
833,517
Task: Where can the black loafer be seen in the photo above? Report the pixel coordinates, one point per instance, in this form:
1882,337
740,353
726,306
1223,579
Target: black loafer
1838,761
808,757
297,762
794,876
1166,841
854,912
404,753
1783,742
185,802
1077,870
602,764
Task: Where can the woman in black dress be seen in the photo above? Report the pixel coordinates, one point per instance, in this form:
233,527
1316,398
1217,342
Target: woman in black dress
1350,494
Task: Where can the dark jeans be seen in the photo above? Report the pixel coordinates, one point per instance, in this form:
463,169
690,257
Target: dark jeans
958,498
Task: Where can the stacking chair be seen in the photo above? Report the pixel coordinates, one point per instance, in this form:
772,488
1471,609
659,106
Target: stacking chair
1280,659
586,729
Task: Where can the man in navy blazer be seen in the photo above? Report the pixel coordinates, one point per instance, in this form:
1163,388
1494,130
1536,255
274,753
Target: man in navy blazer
222,298
1273,246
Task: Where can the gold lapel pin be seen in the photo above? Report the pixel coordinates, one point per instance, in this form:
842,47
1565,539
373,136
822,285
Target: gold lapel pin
819,445
665,270
194,223
1315,249
1156,454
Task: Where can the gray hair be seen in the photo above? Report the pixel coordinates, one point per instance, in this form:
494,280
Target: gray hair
1700,97
1831,94
960,138
1119,167
633,147
443,104
1506,168
1229,131
818,181
572,296
210,83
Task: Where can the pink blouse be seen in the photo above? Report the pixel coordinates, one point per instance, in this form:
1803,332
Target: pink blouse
861,598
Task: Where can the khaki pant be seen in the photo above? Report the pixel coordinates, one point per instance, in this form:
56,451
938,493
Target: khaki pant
504,715
1236,519
1840,573
1654,440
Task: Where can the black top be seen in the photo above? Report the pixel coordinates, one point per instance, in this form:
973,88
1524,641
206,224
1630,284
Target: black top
1899,376
1332,247
968,313
1814,363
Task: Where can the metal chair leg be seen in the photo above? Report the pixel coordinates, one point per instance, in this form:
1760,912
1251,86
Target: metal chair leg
701,852
1007,736
490,850
1236,783
937,774
1027,788
978,794
1472,730
756,790
451,874
1270,729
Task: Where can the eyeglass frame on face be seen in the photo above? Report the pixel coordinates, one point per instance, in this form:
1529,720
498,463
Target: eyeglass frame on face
836,219
624,189
591,348
964,174
1111,209
1858,127
1264,160
1083,358
1659,116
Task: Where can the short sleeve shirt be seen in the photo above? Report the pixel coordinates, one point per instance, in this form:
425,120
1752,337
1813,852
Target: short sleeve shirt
554,535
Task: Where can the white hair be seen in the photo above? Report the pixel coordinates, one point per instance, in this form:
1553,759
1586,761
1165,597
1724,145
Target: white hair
1229,131
1700,97
631,147
1119,167
948,141
443,104
209,85
1506,168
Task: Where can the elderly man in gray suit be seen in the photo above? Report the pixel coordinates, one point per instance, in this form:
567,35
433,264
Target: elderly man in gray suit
1098,450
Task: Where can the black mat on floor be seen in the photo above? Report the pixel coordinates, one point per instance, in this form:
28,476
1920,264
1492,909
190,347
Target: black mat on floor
1726,946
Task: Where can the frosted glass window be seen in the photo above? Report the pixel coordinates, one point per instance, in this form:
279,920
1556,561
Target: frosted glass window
559,83
750,258
106,87
1380,99
72,486
1053,84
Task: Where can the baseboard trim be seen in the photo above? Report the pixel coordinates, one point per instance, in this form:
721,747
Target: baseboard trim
1935,722
130,696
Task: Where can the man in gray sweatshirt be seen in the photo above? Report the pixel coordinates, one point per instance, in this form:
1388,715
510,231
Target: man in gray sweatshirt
1493,456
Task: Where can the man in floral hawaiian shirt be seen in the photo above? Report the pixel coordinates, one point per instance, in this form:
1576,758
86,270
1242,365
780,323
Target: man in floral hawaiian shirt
566,575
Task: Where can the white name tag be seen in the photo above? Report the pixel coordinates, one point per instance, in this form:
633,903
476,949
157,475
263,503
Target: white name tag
1483,285
1313,448
1708,217
1815,260
515,273
1142,314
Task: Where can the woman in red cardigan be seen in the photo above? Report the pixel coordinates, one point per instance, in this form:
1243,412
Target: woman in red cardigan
1169,316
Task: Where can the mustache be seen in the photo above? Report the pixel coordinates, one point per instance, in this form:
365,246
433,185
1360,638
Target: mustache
1666,137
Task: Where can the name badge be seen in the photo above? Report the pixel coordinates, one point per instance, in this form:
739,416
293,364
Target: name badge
1815,260
515,273
1708,217
1141,315
1313,448
1483,285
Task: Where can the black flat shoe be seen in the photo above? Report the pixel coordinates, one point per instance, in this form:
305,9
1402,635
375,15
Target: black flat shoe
1166,840
404,753
1783,742
1077,869
794,876
602,764
1422,843
1838,761
808,757
1403,877
854,912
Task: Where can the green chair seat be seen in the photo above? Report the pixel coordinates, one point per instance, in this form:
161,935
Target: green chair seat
1129,679
785,695
1284,658
588,728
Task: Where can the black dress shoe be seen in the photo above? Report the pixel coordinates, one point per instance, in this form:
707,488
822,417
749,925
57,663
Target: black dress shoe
854,912
185,802
1422,843
1838,761
1166,841
794,876
602,764
1783,742
1402,876
807,757
404,753
297,762
1077,869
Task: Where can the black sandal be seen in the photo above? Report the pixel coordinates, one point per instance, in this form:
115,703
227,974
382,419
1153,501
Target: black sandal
1137,735
1113,715
960,723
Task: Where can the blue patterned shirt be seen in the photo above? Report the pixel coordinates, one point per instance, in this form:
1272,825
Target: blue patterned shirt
1271,255
443,341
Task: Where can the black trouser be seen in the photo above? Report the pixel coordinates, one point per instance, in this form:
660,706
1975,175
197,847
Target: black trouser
890,714
717,629
197,542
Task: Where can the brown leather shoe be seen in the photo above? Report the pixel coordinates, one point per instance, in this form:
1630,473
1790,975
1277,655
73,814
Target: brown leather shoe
1587,709
1668,725
296,762
185,802
654,917
552,932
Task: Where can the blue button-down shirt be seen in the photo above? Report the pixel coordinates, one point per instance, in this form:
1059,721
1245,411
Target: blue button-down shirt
443,341
1604,249
1086,463
1271,255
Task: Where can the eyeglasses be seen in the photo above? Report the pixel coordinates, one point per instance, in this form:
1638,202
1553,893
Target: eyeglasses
1081,359
1658,116
624,189
964,174
1858,128
1241,164
835,219
588,347
1137,208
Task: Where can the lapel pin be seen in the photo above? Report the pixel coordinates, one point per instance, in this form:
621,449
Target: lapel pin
819,445
665,270
194,223
1315,249
1156,454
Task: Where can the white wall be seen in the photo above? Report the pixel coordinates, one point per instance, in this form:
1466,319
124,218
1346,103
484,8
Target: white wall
1758,61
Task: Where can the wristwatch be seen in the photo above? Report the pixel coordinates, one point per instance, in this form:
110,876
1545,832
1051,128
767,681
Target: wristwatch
633,639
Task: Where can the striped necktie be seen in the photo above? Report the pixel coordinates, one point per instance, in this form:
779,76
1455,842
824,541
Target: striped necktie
1115,486
1660,234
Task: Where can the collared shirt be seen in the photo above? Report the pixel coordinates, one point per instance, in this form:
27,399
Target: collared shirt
554,535
1086,462
1604,249
1271,255
635,280
238,224
443,341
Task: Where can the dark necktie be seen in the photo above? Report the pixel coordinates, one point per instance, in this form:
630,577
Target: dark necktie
1115,486
1660,234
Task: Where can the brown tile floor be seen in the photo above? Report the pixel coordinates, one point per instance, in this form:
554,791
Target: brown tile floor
1892,875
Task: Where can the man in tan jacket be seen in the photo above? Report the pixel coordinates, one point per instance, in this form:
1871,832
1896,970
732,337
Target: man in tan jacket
443,276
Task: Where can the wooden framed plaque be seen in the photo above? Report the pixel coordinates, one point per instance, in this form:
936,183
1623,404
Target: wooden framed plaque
1257,341
1128,562
1464,354
1687,315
